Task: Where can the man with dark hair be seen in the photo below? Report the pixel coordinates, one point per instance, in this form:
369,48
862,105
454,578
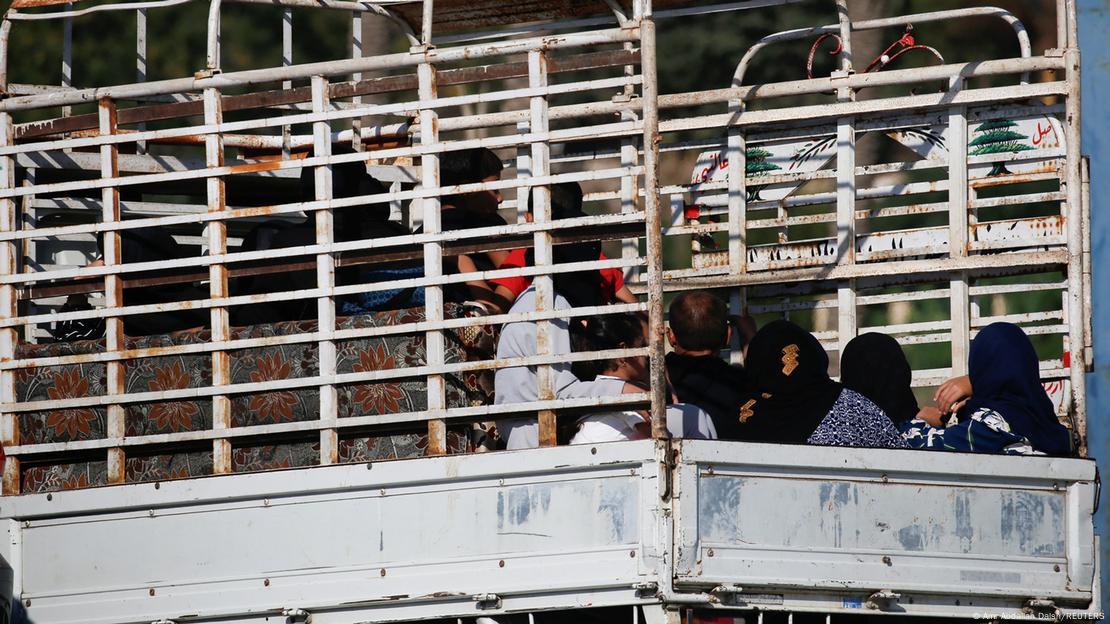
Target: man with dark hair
699,329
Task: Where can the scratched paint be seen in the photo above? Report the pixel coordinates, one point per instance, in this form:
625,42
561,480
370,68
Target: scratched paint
802,514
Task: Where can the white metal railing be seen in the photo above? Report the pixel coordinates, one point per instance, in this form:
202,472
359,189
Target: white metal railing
824,246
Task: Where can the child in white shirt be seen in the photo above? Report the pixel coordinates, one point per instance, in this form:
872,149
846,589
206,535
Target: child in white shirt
629,331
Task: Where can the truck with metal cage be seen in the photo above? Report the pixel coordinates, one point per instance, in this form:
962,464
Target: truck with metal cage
329,469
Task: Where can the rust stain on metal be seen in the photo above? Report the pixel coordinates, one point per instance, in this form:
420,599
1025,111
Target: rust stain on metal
28,4
339,90
255,167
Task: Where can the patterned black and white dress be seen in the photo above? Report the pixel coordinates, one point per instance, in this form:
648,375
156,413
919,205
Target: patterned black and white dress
854,420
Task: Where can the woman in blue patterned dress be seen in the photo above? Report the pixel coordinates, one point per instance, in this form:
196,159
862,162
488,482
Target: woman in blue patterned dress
1008,412
792,400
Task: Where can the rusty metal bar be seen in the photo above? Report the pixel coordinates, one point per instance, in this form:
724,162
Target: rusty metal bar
218,285
433,252
325,280
325,68
113,292
654,227
289,95
9,264
298,208
334,115
67,57
539,161
286,85
1077,307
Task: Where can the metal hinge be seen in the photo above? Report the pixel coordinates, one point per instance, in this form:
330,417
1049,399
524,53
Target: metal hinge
646,588
296,615
882,599
726,589
1039,605
487,601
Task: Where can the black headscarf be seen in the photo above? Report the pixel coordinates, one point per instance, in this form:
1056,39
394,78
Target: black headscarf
580,288
790,391
349,179
154,245
874,365
1005,377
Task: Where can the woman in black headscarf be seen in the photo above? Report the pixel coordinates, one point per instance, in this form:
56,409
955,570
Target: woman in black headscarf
792,400
873,365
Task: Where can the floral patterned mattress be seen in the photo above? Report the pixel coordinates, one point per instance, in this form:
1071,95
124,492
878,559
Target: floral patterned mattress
287,361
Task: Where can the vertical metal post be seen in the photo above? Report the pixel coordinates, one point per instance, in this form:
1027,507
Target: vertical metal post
845,191
845,21
737,196
544,257
426,15
523,170
325,277
30,245
140,63
1077,368
958,222
1061,24
216,232
629,192
286,61
9,265
1088,329
113,289
654,224
356,52
67,56
737,215
213,56
433,251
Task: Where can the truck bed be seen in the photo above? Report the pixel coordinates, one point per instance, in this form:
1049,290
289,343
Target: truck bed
725,525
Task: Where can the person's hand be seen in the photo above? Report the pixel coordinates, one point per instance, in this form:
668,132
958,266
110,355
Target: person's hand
952,394
931,415
744,325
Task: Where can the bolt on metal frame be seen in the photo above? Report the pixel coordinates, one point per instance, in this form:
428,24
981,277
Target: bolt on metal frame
645,134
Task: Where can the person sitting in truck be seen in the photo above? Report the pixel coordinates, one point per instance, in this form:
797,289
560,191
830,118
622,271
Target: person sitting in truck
874,365
566,203
791,399
466,211
628,331
520,384
351,223
699,329
1007,411
149,244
